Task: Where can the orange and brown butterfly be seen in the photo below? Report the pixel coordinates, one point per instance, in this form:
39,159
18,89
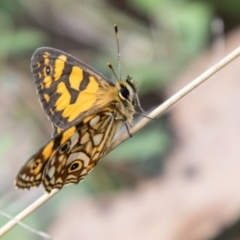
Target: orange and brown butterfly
86,110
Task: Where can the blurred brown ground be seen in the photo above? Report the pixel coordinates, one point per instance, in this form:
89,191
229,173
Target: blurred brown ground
198,195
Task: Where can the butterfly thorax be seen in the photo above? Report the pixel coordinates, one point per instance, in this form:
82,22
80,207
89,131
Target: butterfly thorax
126,99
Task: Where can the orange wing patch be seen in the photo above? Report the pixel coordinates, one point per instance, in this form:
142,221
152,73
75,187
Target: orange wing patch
59,67
67,87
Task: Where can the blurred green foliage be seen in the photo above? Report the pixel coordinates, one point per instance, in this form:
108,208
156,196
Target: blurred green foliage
16,40
158,38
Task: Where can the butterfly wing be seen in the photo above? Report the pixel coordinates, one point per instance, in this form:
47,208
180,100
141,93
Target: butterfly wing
66,86
79,149
30,175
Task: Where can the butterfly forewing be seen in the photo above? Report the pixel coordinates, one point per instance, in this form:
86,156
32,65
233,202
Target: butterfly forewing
67,87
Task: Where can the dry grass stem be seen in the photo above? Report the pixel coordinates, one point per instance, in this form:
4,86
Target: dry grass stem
155,113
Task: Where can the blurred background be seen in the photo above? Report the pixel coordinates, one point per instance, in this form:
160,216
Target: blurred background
176,179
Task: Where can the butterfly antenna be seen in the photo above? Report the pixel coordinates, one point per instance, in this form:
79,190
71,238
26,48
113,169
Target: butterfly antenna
111,67
118,49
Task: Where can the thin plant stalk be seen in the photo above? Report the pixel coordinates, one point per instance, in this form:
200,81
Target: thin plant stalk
155,113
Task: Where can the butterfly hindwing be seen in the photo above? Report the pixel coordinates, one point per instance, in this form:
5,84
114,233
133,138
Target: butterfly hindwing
69,156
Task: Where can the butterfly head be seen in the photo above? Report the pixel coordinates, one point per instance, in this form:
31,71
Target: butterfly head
128,97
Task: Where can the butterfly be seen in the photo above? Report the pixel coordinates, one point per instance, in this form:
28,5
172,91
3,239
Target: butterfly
86,110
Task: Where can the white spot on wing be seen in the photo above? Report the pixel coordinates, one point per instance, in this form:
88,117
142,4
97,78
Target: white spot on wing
85,138
23,176
97,139
94,121
74,139
59,180
51,172
52,180
53,160
70,177
108,113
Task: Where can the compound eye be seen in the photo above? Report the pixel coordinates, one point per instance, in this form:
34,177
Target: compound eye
124,93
